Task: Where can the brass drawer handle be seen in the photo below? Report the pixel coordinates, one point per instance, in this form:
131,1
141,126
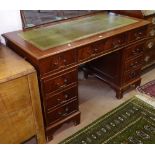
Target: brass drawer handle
134,65
136,51
55,64
66,110
95,49
150,45
138,35
58,99
66,96
117,43
134,74
65,80
64,61
152,32
65,83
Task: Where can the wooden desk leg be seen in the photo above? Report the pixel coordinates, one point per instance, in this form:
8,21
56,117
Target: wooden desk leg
36,105
119,94
77,120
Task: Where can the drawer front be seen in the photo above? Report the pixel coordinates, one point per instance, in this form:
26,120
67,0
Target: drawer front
137,34
119,40
61,98
149,56
132,75
134,64
150,44
99,46
85,53
59,82
151,31
134,51
58,61
152,20
62,112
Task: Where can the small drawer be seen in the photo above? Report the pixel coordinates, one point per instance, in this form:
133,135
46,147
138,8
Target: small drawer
102,46
58,61
85,53
61,98
152,20
119,40
62,112
149,56
134,51
134,64
132,75
60,82
137,34
151,31
150,44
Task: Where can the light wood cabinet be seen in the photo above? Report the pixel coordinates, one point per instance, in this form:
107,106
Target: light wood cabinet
20,109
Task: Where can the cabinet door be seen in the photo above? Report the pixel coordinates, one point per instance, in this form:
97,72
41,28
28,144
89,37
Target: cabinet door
16,117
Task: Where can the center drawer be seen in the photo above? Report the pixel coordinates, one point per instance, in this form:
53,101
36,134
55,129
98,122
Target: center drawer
61,98
62,112
119,40
59,82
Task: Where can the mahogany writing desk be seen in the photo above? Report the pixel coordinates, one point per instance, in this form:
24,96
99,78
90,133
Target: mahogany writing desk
56,51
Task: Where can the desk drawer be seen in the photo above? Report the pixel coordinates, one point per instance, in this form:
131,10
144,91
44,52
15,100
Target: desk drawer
60,81
151,31
85,53
99,46
132,75
119,40
150,44
61,98
134,64
137,34
58,61
134,51
152,20
62,112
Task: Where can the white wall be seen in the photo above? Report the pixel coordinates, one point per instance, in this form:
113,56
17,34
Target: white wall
10,20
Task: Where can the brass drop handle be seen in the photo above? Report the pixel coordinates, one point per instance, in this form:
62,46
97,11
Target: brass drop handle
95,49
117,43
136,51
66,96
64,113
132,75
138,35
58,99
152,32
65,80
133,65
66,109
55,63
64,61
60,113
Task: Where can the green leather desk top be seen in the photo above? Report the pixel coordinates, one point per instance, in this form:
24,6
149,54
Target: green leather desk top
70,31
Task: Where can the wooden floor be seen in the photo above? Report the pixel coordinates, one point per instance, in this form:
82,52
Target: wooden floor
96,99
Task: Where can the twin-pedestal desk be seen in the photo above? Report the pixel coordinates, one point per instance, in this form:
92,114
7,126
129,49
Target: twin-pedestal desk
110,45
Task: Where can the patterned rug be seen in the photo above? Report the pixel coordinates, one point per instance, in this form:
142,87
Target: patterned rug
133,122
148,89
